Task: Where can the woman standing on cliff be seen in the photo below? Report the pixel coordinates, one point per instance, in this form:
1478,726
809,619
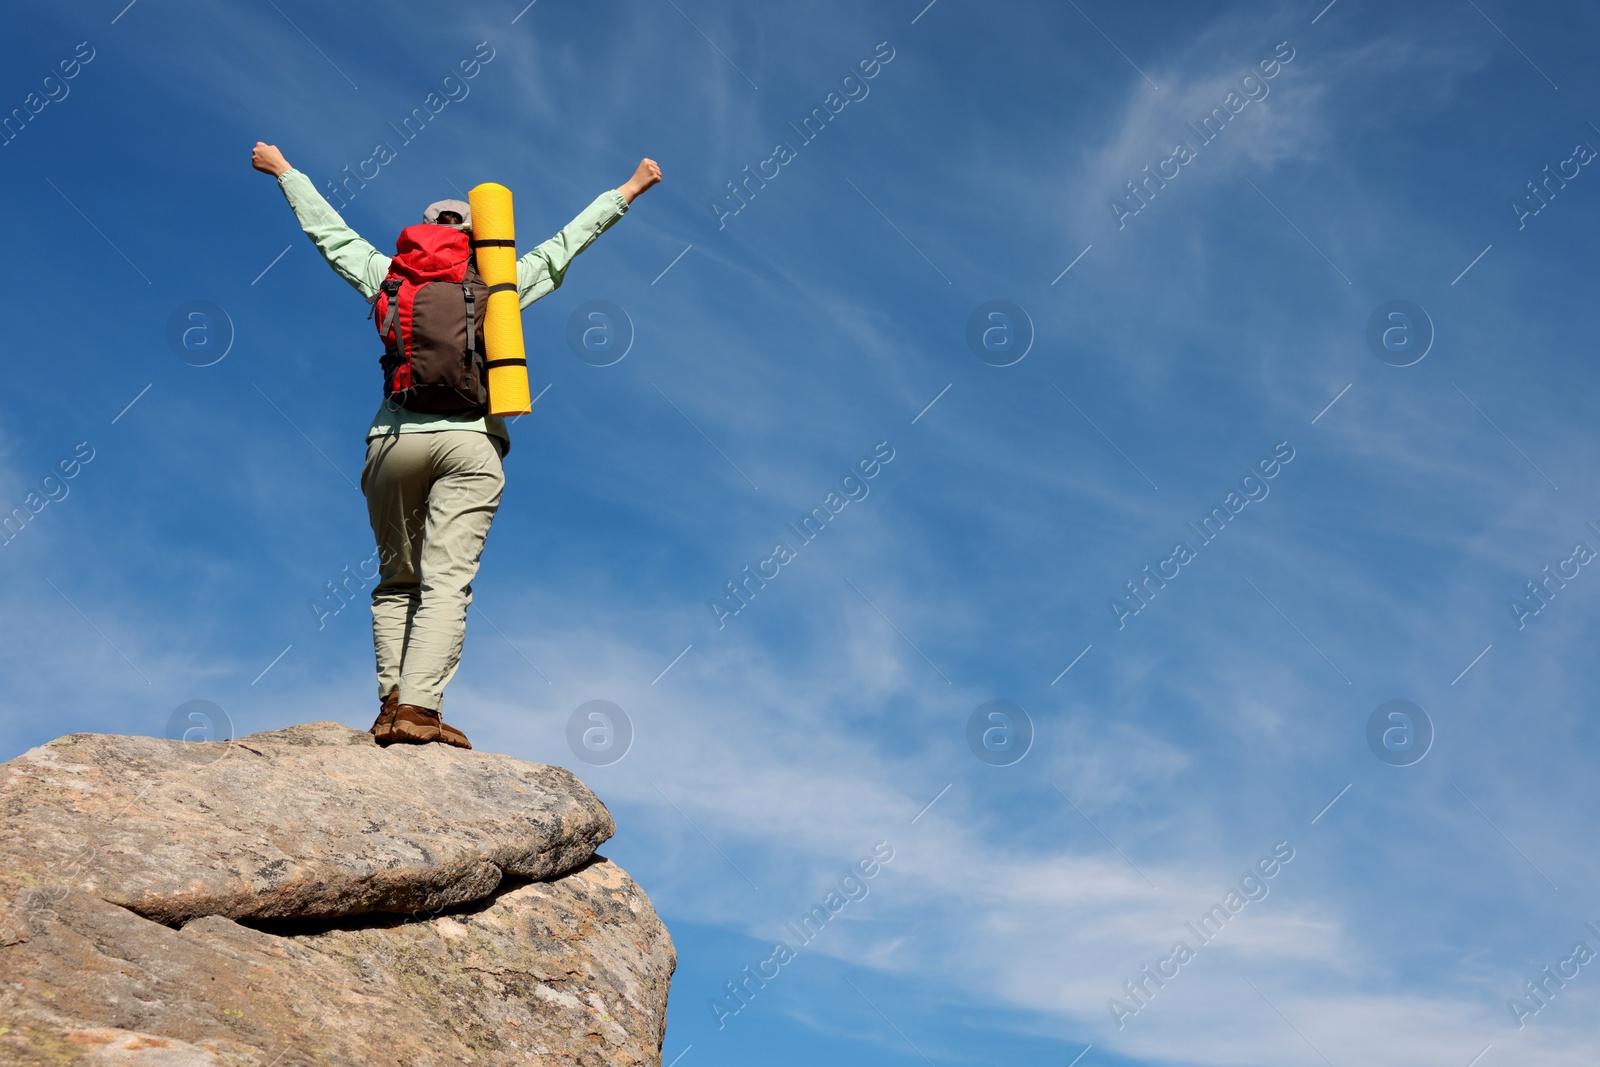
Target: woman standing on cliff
432,480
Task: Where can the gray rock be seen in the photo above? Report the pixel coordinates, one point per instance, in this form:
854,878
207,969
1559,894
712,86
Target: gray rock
130,861
314,820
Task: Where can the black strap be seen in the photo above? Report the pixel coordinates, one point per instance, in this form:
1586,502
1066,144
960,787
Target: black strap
503,287
372,301
506,363
392,287
472,321
495,243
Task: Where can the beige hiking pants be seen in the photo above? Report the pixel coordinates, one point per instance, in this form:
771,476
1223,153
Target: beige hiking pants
431,497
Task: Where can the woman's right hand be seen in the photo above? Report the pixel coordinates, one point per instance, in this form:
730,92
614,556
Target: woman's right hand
268,160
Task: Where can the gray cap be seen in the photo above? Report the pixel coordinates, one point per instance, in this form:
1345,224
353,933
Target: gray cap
438,207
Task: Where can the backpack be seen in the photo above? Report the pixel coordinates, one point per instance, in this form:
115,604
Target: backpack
429,313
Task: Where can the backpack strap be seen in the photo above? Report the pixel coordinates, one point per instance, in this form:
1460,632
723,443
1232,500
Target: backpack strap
472,321
391,287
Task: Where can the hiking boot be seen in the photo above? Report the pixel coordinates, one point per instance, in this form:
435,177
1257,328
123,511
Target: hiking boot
418,726
382,731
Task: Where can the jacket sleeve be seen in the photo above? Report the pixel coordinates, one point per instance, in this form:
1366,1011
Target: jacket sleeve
542,270
356,261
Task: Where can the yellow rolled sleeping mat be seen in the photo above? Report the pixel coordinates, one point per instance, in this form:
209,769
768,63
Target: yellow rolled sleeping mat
494,239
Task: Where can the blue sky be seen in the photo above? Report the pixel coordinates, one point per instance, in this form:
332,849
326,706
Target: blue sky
1226,319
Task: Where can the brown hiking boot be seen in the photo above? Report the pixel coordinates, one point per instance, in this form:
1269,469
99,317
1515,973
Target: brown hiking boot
415,725
382,730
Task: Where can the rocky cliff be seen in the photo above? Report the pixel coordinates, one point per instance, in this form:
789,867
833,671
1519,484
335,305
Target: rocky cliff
306,897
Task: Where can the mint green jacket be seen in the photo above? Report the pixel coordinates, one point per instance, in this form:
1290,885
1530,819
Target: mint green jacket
539,273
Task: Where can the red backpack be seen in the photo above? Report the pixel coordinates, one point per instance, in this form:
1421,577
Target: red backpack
429,312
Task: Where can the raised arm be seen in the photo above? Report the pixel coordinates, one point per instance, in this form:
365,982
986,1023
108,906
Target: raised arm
355,260
542,270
